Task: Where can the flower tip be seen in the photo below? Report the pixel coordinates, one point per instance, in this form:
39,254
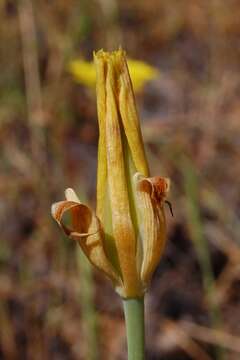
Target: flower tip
71,195
158,187
107,56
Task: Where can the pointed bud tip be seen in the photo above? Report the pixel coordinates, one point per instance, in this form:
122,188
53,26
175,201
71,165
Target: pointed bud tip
71,195
107,56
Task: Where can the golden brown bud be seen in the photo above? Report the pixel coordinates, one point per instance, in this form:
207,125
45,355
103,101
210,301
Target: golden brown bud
127,236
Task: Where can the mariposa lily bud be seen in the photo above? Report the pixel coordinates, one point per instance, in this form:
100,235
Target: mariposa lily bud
126,237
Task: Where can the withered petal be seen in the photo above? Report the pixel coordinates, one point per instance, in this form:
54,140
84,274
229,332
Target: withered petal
123,230
157,186
87,231
153,230
102,156
129,115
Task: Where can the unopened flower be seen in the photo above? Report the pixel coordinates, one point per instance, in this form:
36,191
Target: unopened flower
84,72
126,237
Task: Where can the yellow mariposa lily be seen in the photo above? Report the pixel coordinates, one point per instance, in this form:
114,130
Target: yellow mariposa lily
126,237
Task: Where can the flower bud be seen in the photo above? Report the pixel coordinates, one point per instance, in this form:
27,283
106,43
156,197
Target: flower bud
126,237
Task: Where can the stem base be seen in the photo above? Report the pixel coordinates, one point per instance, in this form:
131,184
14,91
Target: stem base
134,319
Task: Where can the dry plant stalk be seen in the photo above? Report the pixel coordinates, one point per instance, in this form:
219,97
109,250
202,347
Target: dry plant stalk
32,81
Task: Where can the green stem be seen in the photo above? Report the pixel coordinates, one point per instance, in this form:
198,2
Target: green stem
196,227
134,320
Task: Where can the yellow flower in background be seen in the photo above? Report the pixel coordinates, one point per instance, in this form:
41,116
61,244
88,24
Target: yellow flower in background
126,237
140,72
83,72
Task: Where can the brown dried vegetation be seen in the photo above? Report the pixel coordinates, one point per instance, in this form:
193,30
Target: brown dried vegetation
48,141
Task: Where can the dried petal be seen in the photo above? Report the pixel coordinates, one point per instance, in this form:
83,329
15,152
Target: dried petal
123,230
102,155
86,229
129,115
150,195
103,197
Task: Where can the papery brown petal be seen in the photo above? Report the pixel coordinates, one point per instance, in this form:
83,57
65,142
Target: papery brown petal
153,231
129,115
123,230
86,229
158,187
102,156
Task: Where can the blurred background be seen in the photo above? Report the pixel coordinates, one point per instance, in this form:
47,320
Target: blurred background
53,305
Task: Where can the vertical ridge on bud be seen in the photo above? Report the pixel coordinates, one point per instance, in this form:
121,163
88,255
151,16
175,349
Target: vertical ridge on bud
102,156
123,230
130,119
103,201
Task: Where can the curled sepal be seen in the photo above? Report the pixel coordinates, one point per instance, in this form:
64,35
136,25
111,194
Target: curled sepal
86,230
151,193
